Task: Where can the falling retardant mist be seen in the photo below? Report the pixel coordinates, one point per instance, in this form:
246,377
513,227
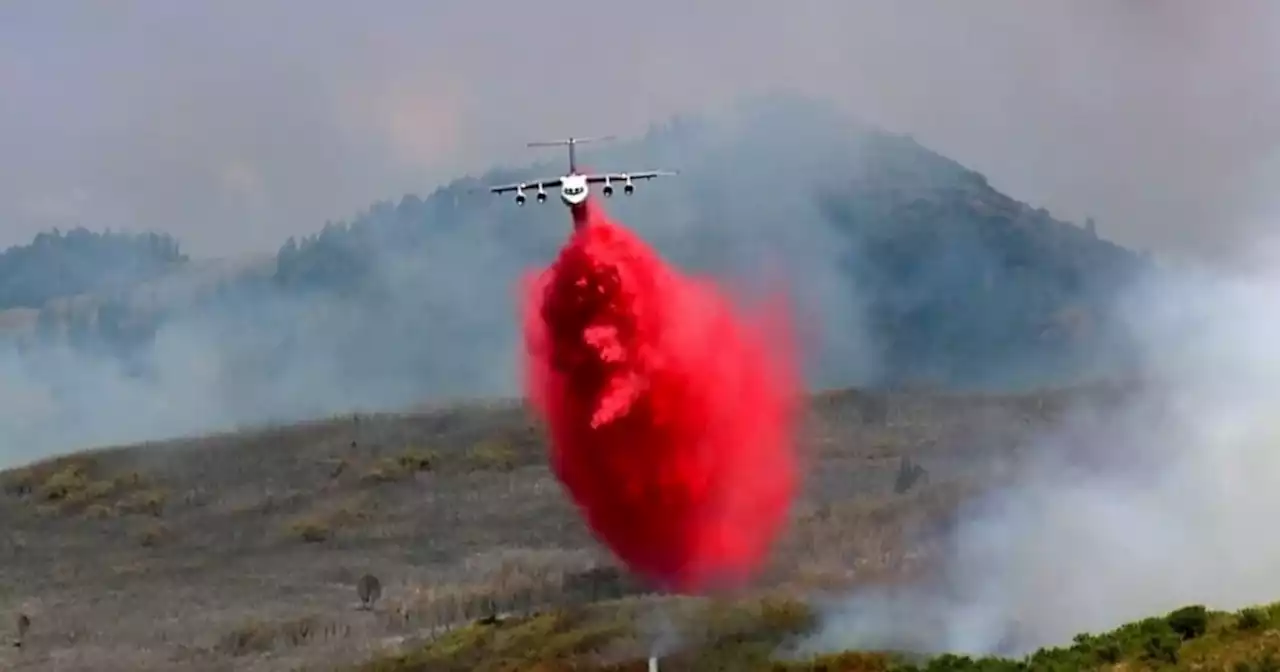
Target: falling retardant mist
671,417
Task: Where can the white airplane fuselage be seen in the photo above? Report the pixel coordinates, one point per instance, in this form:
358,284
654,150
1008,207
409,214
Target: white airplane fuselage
573,189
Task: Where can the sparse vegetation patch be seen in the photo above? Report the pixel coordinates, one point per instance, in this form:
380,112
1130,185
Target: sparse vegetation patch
81,485
400,467
491,455
329,518
753,635
256,637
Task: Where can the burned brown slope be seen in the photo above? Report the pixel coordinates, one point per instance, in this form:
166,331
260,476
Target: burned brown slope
230,547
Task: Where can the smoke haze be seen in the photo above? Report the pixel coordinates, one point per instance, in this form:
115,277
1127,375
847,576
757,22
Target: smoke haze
235,125
1126,512
428,311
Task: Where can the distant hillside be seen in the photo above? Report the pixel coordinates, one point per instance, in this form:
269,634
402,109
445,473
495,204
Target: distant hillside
905,268
920,270
60,264
960,276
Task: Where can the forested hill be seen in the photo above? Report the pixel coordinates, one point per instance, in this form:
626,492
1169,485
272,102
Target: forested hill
918,269
904,267
58,264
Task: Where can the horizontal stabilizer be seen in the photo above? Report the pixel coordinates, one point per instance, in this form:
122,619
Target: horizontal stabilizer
570,141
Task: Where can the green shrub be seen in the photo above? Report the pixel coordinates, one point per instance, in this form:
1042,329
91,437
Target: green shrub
1251,619
1161,647
1189,622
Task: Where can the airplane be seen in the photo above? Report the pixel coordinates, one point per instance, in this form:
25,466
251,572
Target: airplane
574,185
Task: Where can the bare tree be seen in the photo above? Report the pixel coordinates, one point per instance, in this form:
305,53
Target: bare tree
24,624
909,474
369,589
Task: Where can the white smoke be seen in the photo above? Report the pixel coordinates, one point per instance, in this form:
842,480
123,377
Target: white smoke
1167,500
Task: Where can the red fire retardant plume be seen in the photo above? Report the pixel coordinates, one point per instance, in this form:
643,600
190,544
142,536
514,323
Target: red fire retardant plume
671,420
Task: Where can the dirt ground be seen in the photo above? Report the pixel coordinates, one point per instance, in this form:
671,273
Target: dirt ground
242,551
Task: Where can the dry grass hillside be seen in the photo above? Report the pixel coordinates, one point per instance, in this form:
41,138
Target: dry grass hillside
243,551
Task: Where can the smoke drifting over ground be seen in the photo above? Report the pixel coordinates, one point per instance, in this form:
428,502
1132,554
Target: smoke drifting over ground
1133,511
439,329
434,316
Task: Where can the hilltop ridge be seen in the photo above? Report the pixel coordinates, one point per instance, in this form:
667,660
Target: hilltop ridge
904,267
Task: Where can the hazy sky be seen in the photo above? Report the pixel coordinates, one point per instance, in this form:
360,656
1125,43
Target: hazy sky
236,124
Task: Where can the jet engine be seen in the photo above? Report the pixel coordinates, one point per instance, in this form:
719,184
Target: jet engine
629,188
608,188
542,195
520,199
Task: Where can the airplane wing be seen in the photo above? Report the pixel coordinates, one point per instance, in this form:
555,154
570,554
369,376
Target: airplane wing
622,177
550,183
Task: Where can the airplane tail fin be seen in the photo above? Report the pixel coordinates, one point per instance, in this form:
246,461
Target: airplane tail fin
572,144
